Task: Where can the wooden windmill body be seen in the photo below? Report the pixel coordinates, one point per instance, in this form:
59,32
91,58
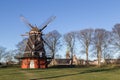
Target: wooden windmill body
34,54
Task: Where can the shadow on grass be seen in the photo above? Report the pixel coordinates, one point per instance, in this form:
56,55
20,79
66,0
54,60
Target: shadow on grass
84,72
63,66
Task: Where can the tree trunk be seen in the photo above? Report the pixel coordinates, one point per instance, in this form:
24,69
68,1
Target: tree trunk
87,56
53,58
71,59
99,57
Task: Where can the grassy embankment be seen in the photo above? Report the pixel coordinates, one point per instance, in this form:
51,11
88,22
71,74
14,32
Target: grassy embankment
91,73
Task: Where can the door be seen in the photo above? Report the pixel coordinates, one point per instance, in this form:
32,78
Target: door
32,65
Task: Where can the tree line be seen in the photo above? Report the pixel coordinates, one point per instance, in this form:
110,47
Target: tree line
99,43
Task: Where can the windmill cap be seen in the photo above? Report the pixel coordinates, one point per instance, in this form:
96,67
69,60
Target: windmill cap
35,30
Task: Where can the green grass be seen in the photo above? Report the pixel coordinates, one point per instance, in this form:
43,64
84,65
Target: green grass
92,73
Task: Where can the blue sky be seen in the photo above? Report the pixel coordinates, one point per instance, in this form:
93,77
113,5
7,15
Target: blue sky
71,15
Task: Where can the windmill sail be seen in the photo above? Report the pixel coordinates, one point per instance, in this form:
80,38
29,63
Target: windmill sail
44,25
26,22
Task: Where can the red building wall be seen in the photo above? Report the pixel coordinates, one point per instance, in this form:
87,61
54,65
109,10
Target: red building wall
38,63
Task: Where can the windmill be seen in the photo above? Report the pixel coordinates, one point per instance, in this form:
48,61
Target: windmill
34,54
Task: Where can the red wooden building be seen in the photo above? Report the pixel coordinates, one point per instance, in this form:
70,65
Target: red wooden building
33,63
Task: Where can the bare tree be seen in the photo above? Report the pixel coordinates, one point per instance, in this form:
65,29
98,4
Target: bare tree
116,37
52,39
21,47
9,56
107,48
70,42
99,40
85,37
2,52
